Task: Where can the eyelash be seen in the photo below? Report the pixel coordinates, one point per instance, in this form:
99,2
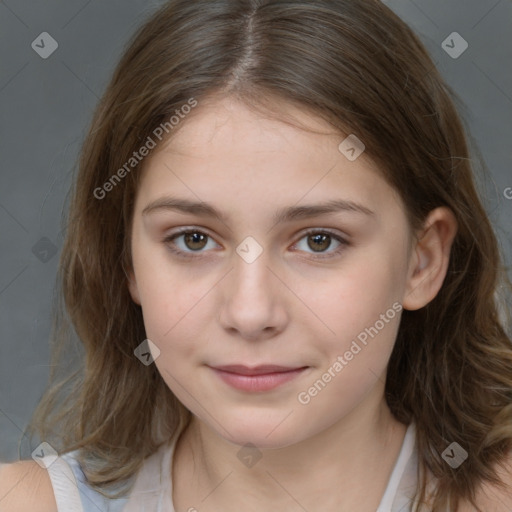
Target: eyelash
189,255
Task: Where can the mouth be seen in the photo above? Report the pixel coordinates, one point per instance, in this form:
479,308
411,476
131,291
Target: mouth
259,378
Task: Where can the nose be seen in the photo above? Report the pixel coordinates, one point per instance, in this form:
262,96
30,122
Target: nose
253,300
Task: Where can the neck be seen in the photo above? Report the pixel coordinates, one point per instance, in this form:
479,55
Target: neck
346,466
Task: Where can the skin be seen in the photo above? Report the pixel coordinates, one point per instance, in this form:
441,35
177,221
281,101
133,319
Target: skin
286,307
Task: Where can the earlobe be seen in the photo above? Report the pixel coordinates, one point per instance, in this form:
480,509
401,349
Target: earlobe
430,258
133,288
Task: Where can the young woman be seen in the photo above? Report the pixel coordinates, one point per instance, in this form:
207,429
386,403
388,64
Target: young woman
283,278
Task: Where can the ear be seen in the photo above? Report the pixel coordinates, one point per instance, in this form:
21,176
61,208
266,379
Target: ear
132,287
430,258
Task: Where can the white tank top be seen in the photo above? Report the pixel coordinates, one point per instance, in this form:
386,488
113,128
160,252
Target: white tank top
152,490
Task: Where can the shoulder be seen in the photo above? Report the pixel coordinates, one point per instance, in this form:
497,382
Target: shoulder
24,485
493,498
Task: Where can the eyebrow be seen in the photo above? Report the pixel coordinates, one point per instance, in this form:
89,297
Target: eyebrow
282,215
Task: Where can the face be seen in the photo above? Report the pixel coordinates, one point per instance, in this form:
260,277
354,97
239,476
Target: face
293,256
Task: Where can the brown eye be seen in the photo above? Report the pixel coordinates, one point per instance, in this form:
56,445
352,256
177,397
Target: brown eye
195,240
319,242
189,243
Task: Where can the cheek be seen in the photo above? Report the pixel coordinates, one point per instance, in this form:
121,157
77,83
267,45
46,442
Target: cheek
170,294
174,320
355,362
356,299
179,312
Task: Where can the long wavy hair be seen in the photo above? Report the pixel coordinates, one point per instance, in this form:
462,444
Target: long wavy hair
355,64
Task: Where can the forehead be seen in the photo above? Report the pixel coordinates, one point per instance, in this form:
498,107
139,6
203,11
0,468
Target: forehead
228,150
218,123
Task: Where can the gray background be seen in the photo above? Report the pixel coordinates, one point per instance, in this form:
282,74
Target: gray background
46,106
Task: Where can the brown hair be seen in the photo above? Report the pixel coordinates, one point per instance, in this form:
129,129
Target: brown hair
357,65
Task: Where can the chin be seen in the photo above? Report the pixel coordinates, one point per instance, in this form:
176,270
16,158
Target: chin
264,434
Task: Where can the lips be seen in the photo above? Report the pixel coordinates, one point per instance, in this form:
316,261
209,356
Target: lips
258,378
256,370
